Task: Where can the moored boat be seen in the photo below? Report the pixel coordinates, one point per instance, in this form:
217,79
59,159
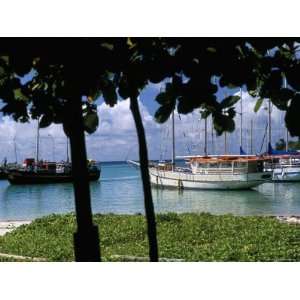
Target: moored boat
225,172
48,172
3,169
284,165
211,172
3,173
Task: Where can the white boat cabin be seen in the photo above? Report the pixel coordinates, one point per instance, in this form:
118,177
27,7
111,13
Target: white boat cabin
225,164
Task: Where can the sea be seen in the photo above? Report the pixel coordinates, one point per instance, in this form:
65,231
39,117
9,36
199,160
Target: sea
119,191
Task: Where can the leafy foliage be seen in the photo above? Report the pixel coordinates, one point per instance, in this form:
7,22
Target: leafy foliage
292,145
258,104
120,67
229,101
280,145
192,69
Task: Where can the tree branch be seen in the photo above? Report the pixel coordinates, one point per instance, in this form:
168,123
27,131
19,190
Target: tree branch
86,239
144,167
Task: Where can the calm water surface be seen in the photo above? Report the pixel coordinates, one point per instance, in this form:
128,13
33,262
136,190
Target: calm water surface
119,191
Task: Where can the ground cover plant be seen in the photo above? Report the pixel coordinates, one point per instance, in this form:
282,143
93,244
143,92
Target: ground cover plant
190,237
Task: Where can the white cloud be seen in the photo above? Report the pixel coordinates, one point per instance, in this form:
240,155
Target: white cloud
116,138
22,138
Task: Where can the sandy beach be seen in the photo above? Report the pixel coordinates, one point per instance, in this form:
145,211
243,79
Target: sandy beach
8,226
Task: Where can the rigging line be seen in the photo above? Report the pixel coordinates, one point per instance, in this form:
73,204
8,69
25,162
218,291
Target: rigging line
212,137
164,138
188,149
185,137
263,141
160,145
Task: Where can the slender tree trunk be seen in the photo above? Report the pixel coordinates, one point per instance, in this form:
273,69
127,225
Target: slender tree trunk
148,202
86,239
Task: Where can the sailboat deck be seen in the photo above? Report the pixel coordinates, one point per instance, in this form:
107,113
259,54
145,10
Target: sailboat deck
215,171
223,158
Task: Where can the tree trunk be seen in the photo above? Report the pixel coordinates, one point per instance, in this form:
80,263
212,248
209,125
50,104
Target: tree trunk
86,239
148,202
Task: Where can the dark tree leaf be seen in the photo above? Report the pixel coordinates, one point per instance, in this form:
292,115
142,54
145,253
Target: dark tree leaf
16,109
280,98
292,75
124,90
163,113
223,123
46,120
258,104
18,94
229,101
185,107
292,116
23,68
252,93
91,122
231,112
272,83
66,128
205,113
109,94
165,98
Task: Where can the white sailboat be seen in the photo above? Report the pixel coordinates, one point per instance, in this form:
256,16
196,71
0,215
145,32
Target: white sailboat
210,172
213,172
284,167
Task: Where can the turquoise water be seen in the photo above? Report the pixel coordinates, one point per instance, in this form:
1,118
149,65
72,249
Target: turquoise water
119,191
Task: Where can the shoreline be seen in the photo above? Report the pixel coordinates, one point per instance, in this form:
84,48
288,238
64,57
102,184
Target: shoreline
8,226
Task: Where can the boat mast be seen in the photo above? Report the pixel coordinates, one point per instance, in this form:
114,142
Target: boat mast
68,160
269,123
205,136
37,141
15,149
173,141
212,136
286,140
225,135
251,136
286,130
241,121
225,138
212,125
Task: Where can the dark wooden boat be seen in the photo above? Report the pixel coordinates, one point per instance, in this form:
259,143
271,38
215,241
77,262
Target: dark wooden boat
40,177
3,174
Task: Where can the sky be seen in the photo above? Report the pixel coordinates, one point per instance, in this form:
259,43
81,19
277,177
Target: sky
116,140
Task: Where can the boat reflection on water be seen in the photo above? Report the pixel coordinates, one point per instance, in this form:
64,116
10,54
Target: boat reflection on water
249,202
120,192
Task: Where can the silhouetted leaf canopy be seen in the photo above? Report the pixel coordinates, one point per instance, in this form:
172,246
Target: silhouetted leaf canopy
192,70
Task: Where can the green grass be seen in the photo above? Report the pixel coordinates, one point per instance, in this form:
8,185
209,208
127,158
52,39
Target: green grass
192,237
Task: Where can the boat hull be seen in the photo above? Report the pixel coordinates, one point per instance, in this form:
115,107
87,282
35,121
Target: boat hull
185,180
3,175
25,177
286,174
